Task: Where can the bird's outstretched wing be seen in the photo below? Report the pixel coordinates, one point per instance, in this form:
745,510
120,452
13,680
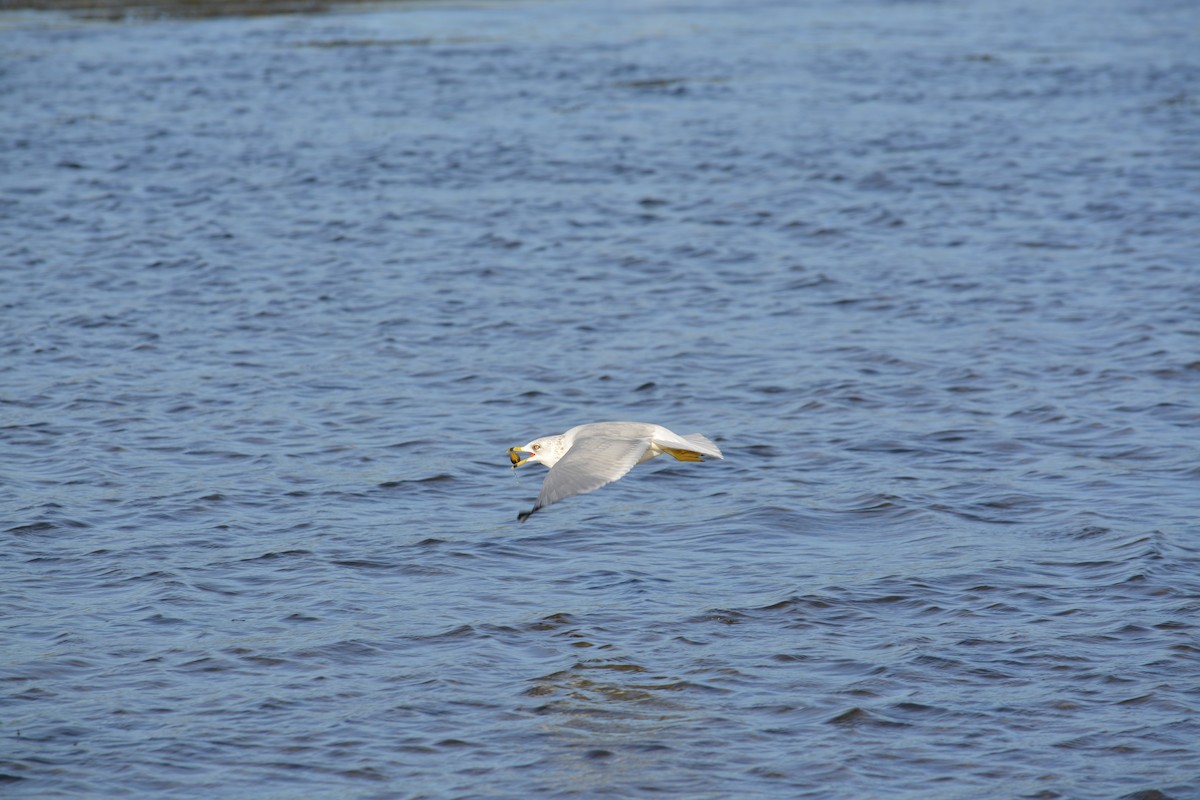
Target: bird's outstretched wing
591,462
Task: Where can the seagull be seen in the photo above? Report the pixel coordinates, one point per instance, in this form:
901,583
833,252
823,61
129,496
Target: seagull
593,455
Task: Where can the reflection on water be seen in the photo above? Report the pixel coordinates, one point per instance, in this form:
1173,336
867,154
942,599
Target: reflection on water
279,292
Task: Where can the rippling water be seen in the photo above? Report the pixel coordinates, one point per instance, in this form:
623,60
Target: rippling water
277,294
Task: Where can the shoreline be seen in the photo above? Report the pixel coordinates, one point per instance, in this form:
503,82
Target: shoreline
182,9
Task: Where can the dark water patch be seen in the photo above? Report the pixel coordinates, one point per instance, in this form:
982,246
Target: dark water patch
33,527
444,478
286,554
858,718
421,42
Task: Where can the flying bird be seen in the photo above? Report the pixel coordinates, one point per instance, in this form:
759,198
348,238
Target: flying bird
593,455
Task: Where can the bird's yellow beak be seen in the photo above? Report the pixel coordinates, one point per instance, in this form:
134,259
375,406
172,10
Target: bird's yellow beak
515,456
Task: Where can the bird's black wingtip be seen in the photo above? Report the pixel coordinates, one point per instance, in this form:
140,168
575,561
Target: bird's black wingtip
524,515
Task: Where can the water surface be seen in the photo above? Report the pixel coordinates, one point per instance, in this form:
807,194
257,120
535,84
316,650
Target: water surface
277,293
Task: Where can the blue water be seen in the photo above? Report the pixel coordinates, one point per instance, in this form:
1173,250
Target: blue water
277,293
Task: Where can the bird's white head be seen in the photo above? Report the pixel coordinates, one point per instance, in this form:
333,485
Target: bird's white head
547,450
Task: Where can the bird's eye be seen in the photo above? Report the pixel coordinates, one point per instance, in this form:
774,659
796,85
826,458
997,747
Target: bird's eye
537,447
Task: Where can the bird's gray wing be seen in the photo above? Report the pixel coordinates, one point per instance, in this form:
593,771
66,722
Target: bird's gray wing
591,462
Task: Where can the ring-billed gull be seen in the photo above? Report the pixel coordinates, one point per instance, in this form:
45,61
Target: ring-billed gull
593,455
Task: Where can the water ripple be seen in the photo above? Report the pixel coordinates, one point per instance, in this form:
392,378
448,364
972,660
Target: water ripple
279,291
